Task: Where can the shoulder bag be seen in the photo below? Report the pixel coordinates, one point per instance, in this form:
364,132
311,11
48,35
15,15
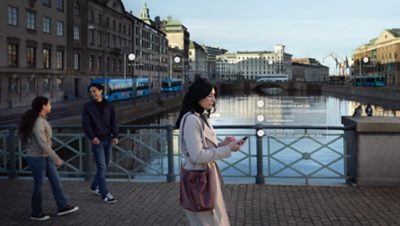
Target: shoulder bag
196,187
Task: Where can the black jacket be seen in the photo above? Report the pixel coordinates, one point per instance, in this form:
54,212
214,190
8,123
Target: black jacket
98,120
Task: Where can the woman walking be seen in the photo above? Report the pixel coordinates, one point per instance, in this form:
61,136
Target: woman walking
200,147
36,132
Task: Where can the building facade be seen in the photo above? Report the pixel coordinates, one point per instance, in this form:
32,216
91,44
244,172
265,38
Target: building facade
254,64
197,61
178,38
309,70
33,43
212,53
381,56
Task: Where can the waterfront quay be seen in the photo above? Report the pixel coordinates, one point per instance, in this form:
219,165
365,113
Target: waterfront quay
158,204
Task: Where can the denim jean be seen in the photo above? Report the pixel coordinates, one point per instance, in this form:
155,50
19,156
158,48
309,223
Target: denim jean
41,166
102,157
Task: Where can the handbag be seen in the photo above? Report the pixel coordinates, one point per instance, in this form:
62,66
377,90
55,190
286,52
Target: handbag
197,190
196,187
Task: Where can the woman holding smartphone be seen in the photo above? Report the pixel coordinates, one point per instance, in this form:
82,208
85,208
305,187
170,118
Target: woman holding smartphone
200,147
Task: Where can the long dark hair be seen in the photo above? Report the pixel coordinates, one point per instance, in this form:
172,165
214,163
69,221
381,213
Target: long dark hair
200,89
28,119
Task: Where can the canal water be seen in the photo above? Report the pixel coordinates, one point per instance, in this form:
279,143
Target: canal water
288,154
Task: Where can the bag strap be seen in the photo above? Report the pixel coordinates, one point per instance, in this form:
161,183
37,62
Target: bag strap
182,132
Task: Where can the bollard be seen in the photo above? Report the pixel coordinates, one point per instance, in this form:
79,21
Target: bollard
171,174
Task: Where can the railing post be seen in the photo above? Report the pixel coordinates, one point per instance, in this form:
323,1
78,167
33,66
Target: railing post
11,153
349,156
259,139
171,174
87,163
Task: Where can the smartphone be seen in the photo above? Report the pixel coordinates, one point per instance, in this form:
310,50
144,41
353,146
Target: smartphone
241,141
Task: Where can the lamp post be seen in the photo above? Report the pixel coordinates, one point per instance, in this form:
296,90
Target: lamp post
131,58
365,60
177,60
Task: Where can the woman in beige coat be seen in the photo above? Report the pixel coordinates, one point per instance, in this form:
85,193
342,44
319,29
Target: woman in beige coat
199,147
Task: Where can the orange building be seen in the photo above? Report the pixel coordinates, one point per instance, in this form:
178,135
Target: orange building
381,56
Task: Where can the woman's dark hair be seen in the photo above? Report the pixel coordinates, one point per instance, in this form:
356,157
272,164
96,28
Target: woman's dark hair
28,119
200,89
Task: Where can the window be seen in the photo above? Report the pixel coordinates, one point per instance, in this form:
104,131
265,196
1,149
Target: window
91,63
46,2
46,24
31,56
60,59
76,33
91,36
12,85
32,85
76,61
77,8
60,28
46,84
30,20
100,37
12,53
91,15
59,83
12,16
46,58
100,19
98,65
60,4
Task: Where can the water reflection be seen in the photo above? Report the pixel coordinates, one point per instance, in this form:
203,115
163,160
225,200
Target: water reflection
278,110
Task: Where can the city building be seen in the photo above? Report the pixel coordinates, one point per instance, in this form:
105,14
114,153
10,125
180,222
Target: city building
309,70
380,56
178,37
151,49
255,64
33,43
212,53
99,37
197,61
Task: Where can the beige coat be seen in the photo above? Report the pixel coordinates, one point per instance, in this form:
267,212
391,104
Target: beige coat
200,142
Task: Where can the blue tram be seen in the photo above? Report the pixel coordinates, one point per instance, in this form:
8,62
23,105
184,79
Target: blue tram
122,89
370,81
171,85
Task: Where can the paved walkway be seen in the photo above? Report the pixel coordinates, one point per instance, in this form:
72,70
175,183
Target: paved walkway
157,204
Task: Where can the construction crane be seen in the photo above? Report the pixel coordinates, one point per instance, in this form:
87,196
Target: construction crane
340,63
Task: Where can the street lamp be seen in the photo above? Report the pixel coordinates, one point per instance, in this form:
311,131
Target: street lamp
177,59
131,58
365,60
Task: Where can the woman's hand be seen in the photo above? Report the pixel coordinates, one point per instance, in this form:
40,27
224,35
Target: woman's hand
59,163
95,141
227,140
235,145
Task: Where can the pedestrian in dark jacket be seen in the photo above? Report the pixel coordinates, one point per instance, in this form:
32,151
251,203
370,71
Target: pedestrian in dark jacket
368,110
100,126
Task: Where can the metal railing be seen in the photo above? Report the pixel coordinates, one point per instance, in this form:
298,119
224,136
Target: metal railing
275,153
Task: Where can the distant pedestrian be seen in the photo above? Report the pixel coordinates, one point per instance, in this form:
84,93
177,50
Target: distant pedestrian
200,149
368,110
357,111
36,132
100,126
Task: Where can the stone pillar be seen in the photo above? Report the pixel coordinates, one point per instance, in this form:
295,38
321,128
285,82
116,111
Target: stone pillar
375,145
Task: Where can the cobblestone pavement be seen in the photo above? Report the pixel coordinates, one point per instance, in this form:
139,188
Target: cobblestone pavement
157,204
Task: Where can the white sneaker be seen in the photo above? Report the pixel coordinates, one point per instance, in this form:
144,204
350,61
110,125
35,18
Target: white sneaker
109,198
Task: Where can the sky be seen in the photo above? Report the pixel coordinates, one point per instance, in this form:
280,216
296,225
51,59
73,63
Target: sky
307,28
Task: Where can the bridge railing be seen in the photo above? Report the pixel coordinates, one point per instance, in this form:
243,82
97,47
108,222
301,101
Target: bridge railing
276,154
